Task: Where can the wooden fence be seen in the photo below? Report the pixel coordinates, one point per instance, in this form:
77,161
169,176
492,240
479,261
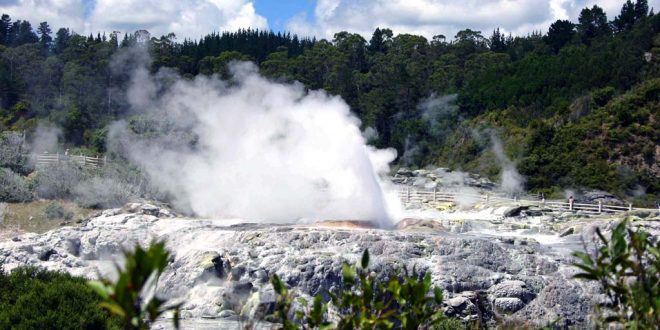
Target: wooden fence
411,195
46,158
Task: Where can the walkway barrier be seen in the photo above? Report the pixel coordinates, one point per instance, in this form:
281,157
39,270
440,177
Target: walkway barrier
417,195
46,158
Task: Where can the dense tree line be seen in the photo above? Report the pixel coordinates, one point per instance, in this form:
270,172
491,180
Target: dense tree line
529,88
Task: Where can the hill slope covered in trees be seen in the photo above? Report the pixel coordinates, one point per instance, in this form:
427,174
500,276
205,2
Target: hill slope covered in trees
576,106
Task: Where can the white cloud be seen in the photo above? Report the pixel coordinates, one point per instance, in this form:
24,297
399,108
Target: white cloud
432,17
58,13
194,18
186,18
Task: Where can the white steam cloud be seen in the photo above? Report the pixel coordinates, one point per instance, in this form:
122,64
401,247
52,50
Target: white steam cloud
45,139
254,149
511,181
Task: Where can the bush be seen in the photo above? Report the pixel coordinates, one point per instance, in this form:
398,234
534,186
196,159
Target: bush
13,154
132,296
32,298
55,211
627,266
58,180
404,302
13,187
100,192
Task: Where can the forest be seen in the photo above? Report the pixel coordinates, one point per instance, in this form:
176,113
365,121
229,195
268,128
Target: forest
577,105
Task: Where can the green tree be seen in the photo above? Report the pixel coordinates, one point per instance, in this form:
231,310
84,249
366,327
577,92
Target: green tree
380,40
626,19
5,30
560,33
45,38
592,23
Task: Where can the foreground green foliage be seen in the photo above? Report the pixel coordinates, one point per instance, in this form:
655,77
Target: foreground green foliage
627,266
405,302
132,297
32,298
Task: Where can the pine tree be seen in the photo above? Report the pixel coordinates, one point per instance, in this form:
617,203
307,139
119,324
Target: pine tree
5,28
45,38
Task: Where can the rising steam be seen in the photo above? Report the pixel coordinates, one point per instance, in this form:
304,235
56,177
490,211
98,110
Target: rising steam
511,181
254,149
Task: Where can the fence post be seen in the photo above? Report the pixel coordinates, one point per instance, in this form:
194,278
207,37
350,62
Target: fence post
434,194
570,205
629,206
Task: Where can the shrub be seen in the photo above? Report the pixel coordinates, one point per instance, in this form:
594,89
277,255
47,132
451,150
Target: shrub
13,187
32,298
132,296
627,266
54,211
13,154
100,192
365,303
58,180
114,185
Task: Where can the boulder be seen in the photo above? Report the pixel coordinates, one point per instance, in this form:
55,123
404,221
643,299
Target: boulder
508,305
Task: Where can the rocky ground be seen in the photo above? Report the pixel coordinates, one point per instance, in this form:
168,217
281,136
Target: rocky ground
495,263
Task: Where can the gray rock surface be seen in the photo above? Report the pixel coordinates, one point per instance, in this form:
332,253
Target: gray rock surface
221,271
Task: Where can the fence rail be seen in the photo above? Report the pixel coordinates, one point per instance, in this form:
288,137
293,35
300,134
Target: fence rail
45,159
409,194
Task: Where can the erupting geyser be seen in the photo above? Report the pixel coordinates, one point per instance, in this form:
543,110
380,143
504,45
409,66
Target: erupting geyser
262,151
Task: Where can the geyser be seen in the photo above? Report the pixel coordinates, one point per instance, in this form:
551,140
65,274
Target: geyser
262,151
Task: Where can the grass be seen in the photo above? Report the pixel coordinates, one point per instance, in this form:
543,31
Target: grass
31,217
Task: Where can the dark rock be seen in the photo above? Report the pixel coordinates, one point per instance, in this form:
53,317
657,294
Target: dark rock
533,212
567,232
45,255
515,211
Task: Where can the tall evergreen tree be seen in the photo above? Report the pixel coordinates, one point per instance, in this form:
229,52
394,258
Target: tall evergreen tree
626,18
45,38
5,29
380,40
641,9
61,40
498,42
592,23
560,33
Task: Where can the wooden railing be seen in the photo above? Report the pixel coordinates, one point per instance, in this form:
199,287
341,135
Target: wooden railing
411,195
46,158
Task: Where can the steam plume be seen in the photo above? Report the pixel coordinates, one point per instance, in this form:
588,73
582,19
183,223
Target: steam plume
511,180
254,149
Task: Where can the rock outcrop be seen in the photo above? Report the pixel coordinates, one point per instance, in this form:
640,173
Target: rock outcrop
487,269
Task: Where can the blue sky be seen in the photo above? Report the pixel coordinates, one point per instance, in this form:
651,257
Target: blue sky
280,12
319,18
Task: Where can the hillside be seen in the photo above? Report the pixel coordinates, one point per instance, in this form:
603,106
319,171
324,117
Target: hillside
576,106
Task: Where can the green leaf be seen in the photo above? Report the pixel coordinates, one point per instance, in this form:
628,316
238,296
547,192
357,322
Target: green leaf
437,295
113,308
100,289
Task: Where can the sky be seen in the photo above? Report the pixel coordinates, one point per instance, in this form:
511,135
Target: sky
319,18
